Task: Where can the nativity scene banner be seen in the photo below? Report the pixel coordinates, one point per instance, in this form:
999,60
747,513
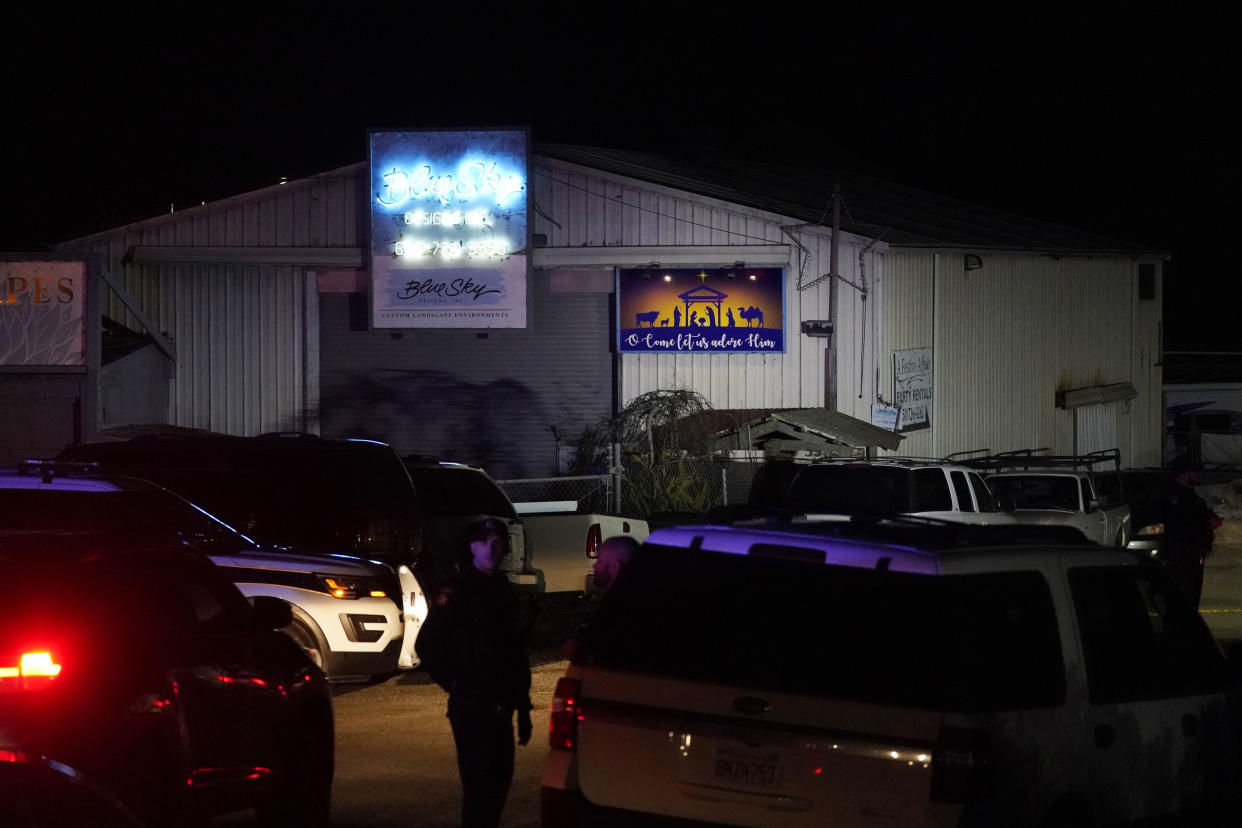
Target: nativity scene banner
701,310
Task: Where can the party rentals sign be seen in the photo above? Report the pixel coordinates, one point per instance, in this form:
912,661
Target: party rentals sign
701,310
912,388
449,234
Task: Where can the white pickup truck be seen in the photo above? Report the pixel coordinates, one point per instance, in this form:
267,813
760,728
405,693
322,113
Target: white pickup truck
1064,497
561,544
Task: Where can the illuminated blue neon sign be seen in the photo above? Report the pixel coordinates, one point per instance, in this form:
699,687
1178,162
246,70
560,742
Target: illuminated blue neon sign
449,207
473,179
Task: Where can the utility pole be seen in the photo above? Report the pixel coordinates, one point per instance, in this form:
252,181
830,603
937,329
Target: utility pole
830,352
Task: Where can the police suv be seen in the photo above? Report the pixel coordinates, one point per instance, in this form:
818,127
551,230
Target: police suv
346,614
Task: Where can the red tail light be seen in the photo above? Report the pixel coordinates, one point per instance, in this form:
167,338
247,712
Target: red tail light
28,671
961,765
563,724
594,538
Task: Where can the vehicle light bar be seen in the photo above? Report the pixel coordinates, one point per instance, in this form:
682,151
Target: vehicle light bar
31,670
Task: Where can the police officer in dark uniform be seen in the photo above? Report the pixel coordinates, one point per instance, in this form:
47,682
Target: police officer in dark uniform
1189,529
490,674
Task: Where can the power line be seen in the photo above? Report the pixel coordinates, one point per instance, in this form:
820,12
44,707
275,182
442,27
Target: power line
589,191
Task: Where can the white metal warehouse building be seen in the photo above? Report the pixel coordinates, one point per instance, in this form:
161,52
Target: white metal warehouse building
255,311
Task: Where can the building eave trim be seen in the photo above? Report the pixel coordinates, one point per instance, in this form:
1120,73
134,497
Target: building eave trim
326,257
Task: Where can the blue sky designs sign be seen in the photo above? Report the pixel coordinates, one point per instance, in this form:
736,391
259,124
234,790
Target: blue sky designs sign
42,313
701,310
448,229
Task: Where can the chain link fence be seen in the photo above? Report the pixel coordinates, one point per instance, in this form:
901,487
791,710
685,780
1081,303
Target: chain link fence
689,486
591,493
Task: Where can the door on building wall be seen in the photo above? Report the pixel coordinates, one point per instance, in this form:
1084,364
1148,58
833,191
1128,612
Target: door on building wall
1095,428
510,400
42,415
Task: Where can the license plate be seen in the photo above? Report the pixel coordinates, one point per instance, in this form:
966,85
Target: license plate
748,766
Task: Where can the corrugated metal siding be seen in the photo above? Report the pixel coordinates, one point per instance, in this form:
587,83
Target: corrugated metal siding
240,331
239,334
1146,412
575,209
1009,335
490,401
906,302
1013,333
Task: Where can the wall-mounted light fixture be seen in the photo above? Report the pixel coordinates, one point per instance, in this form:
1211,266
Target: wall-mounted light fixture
972,261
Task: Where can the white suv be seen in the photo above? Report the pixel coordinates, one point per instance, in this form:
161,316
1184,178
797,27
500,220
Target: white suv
875,673
894,486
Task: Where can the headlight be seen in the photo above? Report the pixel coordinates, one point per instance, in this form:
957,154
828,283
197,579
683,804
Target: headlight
344,586
1151,529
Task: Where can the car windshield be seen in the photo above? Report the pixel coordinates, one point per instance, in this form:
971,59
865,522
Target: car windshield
962,642
283,494
1037,492
849,489
152,511
448,490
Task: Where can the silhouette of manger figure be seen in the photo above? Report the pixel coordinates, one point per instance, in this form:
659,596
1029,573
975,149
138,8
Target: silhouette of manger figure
701,295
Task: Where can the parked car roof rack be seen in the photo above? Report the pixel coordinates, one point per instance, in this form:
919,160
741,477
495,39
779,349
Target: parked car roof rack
903,460
962,457
915,530
1025,459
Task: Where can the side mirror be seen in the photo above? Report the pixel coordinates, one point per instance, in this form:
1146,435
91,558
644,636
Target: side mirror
1093,506
270,613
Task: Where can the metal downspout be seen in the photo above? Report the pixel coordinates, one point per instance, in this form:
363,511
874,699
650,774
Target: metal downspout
830,353
937,450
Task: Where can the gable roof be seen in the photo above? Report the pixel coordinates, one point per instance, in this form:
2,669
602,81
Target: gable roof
902,216
833,426
703,292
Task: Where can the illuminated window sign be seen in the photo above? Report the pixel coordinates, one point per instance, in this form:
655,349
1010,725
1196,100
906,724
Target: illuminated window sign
449,232
701,310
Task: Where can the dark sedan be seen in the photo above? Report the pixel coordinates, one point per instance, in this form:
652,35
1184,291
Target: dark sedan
141,665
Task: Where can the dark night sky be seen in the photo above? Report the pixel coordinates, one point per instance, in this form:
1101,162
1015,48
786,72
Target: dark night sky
1115,119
